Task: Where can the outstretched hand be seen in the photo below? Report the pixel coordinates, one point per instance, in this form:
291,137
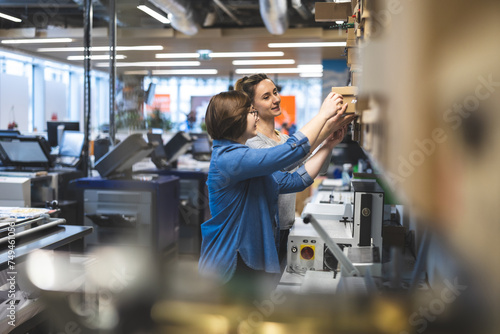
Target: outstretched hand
336,137
340,120
332,104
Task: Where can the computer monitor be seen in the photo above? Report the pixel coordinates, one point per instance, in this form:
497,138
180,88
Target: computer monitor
119,161
156,140
71,144
9,132
52,130
178,145
150,94
201,144
24,151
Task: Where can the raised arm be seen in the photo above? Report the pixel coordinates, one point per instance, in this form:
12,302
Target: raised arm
313,165
335,123
330,107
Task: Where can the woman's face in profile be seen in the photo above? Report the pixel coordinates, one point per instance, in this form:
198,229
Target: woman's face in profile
252,120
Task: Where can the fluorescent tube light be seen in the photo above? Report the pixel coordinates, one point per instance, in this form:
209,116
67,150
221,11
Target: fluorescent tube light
37,40
11,18
96,57
177,55
185,72
311,67
104,48
154,14
246,54
173,72
222,54
307,45
143,72
152,64
264,62
274,70
311,75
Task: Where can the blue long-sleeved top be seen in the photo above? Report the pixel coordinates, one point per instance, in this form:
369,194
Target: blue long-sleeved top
243,187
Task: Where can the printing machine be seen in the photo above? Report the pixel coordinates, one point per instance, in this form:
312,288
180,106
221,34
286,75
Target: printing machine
22,232
30,178
130,209
354,224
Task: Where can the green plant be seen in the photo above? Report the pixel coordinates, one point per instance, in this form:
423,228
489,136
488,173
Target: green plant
157,119
130,119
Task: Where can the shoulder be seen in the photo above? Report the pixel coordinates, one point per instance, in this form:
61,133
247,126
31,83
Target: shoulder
259,141
284,137
226,146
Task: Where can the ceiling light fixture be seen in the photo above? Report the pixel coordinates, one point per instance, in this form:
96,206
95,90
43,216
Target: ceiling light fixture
37,40
177,55
264,62
246,54
152,64
307,45
172,72
154,14
311,75
95,57
222,54
11,18
295,70
143,72
104,48
186,72
311,67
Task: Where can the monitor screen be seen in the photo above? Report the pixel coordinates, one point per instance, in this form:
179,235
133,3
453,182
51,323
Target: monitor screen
201,144
120,159
150,94
52,130
71,144
178,145
157,141
24,151
9,132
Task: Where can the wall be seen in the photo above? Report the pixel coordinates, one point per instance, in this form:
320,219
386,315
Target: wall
14,101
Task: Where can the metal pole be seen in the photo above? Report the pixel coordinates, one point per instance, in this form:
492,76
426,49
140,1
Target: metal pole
349,268
112,70
87,38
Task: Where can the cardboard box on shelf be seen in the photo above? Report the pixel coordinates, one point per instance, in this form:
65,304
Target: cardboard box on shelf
349,93
331,11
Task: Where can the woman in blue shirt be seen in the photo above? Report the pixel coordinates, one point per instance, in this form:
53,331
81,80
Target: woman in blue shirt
244,183
266,100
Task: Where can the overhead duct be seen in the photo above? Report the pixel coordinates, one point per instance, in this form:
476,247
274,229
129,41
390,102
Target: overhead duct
181,15
274,15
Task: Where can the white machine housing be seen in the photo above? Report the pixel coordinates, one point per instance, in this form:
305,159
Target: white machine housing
358,225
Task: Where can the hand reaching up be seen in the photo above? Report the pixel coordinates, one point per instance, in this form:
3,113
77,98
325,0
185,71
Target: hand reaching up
332,105
336,137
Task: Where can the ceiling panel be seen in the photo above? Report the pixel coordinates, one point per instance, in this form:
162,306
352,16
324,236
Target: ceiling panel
243,30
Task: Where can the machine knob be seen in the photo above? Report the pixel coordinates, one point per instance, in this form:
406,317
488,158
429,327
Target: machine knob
294,249
366,212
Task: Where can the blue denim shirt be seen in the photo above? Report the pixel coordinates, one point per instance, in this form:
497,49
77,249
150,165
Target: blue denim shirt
243,187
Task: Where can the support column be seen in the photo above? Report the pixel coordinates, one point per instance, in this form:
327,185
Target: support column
87,42
112,70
